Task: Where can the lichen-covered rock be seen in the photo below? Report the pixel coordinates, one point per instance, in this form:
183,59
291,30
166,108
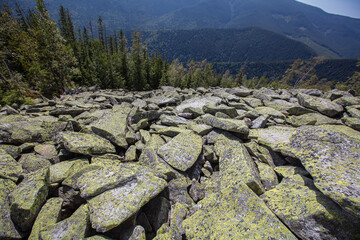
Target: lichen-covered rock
75,227
289,171
7,227
324,106
12,150
113,126
172,131
162,100
182,151
311,119
275,137
201,129
178,191
198,103
109,209
71,180
62,170
352,122
31,162
347,101
149,115
169,120
87,144
107,177
229,111
48,151
150,159
309,213
28,198
235,160
9,167
231,125
20,129
291,108
269,111
234,213
49,214
267,176
354,112
331,154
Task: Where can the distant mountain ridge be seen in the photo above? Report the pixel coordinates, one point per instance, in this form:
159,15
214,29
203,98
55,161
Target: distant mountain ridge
330,35
225,45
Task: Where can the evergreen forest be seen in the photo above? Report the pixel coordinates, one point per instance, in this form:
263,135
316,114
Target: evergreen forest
43,57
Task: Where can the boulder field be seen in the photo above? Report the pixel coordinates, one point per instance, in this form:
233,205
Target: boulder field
182,164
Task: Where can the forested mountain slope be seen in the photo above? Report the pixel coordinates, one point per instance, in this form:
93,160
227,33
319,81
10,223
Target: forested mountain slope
225,45
330,35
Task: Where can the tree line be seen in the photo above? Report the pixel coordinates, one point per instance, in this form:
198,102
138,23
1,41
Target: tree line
41,57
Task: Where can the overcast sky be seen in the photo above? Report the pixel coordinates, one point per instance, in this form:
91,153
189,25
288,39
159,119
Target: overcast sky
342,7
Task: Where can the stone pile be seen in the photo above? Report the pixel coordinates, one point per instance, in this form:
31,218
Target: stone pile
182,164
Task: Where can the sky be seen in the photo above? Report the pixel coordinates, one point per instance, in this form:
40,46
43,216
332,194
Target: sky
349,8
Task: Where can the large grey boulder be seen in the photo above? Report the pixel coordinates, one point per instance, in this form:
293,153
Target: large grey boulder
9,167
87,144
198,103
50,214
75,227
182,151
235,212
231,125
28,198
111,208
322,105
309,213
331,154
113,126
17,129
235,160
7,227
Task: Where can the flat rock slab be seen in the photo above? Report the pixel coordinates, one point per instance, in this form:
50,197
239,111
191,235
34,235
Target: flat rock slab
9,167
231,125
7,227
275,137
322,105
113,126
309,213
111,208
234,213
182,151
16,129
75,227
49,214
83,143
198,103
28,198
311,119
97,181
331,154
235,159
